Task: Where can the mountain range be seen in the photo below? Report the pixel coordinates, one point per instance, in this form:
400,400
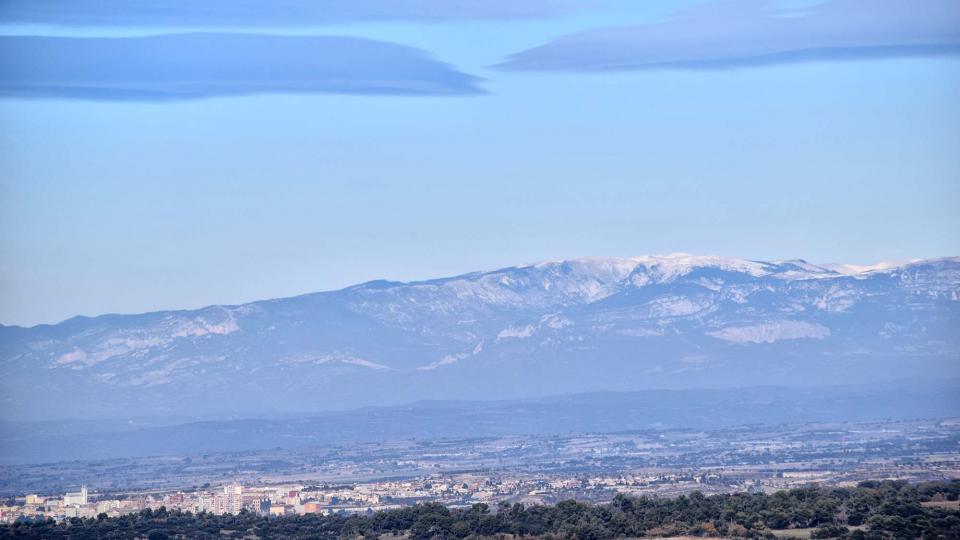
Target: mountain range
601,324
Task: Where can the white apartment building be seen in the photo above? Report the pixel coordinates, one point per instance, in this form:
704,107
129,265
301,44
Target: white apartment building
76,498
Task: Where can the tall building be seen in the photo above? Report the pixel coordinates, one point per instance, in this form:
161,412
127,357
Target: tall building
233,498
205,503
76,498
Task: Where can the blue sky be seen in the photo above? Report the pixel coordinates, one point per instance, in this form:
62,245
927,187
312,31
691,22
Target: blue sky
612,137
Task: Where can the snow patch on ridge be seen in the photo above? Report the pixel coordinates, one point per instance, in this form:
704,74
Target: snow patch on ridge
555,322
641,332
516,332
856,269
666,268
76,355
445,361
676,306
201,327
140,342
333,358
771,332
109,349
451,359
836,299
363,363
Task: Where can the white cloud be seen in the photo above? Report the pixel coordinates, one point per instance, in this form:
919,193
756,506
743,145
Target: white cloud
757,32
203,65
266,13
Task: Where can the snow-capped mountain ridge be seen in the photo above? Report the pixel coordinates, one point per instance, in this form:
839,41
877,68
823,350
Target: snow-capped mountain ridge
551,327
586,280
671,266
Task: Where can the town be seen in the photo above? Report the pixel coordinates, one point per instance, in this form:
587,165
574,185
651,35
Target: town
529,470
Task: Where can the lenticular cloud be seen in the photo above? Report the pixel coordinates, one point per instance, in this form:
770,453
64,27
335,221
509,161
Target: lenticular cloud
201,65
265,13
733,34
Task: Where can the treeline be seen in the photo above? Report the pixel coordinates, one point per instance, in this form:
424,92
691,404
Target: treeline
878,510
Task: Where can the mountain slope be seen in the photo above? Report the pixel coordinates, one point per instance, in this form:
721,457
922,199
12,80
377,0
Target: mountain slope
675,321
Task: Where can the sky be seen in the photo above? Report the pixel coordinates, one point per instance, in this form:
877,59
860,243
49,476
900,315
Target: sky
168,154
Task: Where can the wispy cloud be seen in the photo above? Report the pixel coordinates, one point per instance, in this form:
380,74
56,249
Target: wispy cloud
189,66
261,13
757,32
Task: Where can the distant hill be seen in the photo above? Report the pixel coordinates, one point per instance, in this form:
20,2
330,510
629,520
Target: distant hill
652,322
602,412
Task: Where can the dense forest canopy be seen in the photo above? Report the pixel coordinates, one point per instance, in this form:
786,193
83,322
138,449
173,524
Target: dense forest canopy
885,509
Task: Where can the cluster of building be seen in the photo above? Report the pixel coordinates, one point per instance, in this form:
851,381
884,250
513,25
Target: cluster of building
70,505
231,499
538,470
299,499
